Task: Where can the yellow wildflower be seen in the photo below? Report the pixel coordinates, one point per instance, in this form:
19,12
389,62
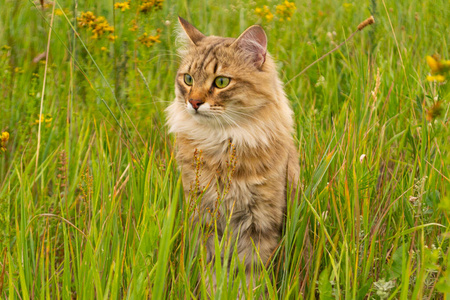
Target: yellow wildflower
148,5
264,12
98,25
41,119
6,48
433,64
134,26
286,10
269,17
86,19
45,120
149,40
5,136
59,12
437,65
104,49
437,78
3,140
112,37
438,68
123,6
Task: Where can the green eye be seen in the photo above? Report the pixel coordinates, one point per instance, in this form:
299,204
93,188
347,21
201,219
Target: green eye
221,82
188,79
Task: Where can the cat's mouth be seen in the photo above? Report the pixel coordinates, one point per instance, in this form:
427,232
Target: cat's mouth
200,114
196,112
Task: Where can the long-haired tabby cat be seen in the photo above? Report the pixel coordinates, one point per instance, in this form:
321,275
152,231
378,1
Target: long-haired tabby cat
228,93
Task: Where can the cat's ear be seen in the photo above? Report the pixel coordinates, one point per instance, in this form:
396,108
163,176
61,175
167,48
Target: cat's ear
192,33
254,42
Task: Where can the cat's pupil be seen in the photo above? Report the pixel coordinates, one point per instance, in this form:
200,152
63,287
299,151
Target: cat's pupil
222,82
188,79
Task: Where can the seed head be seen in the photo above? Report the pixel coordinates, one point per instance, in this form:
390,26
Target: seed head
366,23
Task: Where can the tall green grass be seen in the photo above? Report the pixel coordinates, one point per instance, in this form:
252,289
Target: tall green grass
96,210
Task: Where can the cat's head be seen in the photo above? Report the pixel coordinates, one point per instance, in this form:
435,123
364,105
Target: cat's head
225,80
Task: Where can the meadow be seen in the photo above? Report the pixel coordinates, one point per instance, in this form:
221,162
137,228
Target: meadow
91,204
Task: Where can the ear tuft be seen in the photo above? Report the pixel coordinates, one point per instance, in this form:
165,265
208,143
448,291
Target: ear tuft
254,42
192,33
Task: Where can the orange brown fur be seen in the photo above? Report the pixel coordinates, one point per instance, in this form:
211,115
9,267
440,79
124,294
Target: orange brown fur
253,114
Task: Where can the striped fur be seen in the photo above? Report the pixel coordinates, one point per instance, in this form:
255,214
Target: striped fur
251,116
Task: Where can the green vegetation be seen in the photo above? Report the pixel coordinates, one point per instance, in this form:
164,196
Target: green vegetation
91,205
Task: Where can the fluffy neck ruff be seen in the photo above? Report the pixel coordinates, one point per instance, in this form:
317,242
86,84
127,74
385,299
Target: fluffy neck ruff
270,123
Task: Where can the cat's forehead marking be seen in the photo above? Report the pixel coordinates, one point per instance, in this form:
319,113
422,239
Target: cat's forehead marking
208,55
216,67
192,66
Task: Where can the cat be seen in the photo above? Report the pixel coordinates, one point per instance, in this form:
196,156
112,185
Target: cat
230,104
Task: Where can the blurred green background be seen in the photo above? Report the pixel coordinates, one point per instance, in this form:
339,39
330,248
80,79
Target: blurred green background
90,197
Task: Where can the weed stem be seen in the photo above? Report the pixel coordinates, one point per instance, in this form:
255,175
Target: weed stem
361,26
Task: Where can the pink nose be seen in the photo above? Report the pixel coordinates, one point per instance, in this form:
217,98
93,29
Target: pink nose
195,103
